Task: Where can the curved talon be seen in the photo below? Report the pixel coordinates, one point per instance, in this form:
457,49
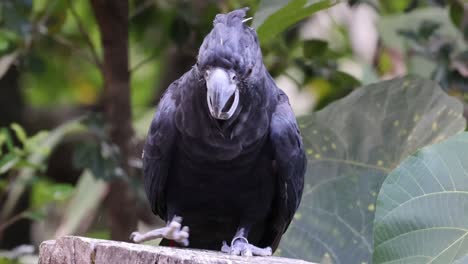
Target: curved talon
246,252
185,230
184,242
173,231
135,237
240,247
225,248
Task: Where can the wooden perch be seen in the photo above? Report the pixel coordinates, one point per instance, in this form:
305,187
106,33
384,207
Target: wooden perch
82,250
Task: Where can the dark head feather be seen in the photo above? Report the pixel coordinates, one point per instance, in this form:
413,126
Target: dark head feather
232,45
231,19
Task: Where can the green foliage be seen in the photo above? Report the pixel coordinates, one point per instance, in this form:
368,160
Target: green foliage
394,6
4,260
8,41
390,26
23,164
337,85
45,192
101,157
422,214
351,146
315,48
17,157
435,43
456,9
273,17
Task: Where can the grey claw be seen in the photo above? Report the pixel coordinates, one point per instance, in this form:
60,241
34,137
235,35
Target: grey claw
176,232
225,248
235,251
246,252
241,247
184,242
133,236
173,231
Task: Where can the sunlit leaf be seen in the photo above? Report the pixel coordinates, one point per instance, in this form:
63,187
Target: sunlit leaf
19,132
274,16
9,41
422,208
7,140
45,192
35,144
5,260
26,174
3,139
341,84
394,6
352,145
8,161
26,164
385,62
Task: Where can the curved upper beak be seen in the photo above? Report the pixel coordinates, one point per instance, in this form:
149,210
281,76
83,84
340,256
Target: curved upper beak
222,94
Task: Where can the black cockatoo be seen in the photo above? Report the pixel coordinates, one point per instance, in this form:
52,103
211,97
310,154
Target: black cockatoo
224,152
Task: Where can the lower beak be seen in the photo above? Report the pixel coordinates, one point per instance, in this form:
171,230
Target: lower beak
222,94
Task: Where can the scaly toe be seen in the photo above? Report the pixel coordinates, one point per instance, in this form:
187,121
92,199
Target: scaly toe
135,237
184,242
236,250
256,251
184,232
225,248
246,252
175,225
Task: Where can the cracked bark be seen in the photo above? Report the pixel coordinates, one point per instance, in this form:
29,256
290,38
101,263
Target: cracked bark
87,250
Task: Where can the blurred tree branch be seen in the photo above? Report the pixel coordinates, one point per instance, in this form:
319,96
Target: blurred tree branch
85,35
65,42
112,19
144,61
141,8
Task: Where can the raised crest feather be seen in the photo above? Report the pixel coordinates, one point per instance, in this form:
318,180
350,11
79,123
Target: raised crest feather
232,18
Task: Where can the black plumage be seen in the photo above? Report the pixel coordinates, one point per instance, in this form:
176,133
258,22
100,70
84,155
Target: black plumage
221,175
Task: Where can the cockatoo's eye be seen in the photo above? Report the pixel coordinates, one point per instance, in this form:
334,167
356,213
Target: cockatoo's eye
233,77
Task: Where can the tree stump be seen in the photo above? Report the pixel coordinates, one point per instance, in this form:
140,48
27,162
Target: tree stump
82,250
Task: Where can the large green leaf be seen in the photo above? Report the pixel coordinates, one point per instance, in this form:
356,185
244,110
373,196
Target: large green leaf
45,192
274,16
422,208
82,205
352,145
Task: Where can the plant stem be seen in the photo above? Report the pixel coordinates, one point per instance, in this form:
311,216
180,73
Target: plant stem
11,221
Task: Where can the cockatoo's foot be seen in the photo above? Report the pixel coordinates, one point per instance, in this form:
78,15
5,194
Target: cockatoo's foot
240,246
173,231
